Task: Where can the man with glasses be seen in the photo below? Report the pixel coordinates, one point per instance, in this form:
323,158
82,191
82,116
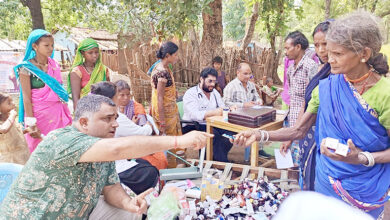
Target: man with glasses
241,92
203,101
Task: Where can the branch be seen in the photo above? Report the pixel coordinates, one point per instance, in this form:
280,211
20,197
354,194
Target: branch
251,28
384,13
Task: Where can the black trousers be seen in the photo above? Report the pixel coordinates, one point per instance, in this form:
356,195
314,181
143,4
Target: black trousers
140,177
221,145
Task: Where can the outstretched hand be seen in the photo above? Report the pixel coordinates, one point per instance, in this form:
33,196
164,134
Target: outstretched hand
193,139
352,157
244,138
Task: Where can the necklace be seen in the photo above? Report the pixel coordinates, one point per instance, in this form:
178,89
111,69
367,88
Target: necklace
364,77
85,67
40,64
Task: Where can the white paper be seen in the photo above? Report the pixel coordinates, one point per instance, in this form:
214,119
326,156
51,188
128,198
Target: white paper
151,120
283,162
261,107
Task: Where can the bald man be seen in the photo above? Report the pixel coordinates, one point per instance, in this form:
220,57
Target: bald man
241,92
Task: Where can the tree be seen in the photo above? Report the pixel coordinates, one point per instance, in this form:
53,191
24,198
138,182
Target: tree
36,13
251,28
327,9
233,19
212,39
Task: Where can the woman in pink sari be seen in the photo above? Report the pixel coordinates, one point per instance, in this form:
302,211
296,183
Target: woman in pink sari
42,97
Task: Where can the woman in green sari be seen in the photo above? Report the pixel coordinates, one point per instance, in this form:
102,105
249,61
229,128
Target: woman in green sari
86,70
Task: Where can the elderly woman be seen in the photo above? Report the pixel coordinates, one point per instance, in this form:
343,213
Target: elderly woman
132,109
135,111
86,70
353,106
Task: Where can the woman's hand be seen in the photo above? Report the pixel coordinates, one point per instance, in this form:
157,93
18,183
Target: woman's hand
285,147
352,157
244,138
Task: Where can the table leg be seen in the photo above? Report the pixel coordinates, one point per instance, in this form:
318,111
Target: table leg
255,154
209,147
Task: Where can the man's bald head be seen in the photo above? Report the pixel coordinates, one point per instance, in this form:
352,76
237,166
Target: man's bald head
244,72
243,65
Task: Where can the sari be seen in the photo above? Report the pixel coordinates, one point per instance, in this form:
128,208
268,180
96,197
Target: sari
343,114
171,112
308,144
48,103
98,74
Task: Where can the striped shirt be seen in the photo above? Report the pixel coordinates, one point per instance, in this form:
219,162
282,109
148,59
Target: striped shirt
298,79
236,94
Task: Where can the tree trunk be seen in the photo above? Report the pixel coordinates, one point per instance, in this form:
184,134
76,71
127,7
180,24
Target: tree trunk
327,9
249,32
211,44
122,43
36,13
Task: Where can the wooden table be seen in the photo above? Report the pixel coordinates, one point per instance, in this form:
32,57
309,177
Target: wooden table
218,122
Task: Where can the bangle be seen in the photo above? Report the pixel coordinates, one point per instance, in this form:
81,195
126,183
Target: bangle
370,158
262,136
266,132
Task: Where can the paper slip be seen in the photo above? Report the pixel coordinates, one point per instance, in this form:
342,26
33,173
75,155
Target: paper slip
257,107
283,162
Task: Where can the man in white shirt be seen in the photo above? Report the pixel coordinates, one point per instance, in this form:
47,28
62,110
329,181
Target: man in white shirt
241,92
203,101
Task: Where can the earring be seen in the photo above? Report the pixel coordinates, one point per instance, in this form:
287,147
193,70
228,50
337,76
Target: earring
363,60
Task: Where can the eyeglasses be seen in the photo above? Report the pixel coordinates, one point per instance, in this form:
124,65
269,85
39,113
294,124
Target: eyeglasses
211,81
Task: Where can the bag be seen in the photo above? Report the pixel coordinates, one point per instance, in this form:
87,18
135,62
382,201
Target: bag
251,117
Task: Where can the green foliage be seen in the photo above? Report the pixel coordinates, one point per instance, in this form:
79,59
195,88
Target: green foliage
15,20
169,17
274,16
233,19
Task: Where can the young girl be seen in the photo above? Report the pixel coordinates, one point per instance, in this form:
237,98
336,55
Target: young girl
42,96
13,146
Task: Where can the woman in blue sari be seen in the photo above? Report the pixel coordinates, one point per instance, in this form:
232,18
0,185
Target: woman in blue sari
352,105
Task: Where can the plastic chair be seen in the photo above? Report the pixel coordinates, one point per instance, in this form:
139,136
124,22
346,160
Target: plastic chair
8,174
180,107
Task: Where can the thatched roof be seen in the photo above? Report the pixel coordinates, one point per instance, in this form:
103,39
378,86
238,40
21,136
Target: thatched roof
105,39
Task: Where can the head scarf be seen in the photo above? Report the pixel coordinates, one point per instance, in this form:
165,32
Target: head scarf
34,36
47,79
98,73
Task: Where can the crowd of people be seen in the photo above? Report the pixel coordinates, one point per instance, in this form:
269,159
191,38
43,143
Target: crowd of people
74,164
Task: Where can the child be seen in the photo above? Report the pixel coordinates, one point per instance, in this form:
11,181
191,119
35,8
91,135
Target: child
271,92
222,78
13,146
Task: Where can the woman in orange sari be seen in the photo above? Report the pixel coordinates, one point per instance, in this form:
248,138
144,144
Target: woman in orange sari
163,106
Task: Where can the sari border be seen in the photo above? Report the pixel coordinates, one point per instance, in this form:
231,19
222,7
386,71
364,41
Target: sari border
346,197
